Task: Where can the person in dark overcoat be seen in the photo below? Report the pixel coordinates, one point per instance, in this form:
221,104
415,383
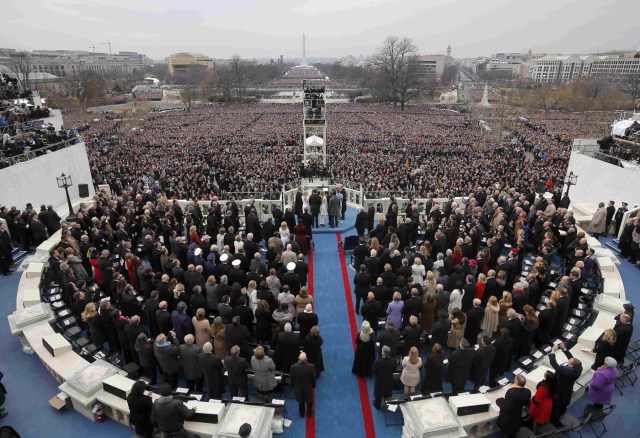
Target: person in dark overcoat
312,344
516,398
303,380
383,369
212,370
140,407
286,349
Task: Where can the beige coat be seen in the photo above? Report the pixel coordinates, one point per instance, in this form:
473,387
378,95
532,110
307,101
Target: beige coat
599,221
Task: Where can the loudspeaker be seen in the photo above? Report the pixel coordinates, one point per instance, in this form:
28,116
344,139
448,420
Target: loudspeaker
83,190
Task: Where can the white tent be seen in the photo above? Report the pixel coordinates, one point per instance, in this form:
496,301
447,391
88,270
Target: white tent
314,140
620,127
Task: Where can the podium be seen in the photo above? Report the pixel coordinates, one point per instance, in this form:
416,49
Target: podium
259,417
430,417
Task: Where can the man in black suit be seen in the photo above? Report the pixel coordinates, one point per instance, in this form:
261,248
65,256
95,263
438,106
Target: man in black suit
306,320
212,370
546,321
624,331
362,283
373,264
361,221
460,362
440,330
566,375
562,309
482,361
514,326
238,334
298,204
359,253
303,380
314,206
236,367
150,308
163,319
516,398
371,217
474,319
389,337
371,310
502,360
383,369
491,289
469,293
412,307
180,249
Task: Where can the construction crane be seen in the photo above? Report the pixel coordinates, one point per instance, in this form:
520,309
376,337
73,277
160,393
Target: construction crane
107,43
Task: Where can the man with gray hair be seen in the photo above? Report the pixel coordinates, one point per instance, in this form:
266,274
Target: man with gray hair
515,399
383,369
236,366
189,361
212,370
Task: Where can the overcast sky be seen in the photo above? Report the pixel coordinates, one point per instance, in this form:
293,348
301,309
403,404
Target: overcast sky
254,28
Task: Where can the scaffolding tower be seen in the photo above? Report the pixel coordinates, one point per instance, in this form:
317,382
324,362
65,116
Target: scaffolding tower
314,124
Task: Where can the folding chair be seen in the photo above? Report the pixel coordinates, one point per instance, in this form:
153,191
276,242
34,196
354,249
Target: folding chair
626,370
633,351
597,416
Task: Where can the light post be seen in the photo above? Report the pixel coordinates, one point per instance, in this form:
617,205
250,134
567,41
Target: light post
64,181
570,180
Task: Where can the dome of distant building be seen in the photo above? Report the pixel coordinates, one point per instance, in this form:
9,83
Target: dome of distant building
304,72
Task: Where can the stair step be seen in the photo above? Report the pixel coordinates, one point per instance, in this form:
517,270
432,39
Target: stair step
19,255
612,247
615,242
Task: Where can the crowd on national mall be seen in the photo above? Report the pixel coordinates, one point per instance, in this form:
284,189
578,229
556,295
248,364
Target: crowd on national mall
199,300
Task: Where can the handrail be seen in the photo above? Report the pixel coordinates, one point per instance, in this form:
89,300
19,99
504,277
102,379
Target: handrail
33,153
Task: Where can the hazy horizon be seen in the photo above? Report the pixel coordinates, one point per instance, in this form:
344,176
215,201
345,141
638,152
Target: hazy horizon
333,28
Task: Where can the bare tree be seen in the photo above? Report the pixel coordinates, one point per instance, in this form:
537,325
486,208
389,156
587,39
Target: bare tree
239,74
84,87
393,61
21,67
225,82
631,85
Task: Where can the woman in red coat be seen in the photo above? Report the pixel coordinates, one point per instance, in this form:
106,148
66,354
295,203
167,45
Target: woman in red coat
93,259
541,403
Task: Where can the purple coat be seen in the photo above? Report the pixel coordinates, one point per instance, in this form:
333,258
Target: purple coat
602,385
394,313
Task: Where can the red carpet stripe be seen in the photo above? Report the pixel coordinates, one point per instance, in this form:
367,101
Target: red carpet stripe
311,421
362,383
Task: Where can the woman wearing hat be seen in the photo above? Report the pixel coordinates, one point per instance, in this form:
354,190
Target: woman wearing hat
603,383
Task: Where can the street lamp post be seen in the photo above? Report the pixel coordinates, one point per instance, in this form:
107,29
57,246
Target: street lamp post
64,181
570,180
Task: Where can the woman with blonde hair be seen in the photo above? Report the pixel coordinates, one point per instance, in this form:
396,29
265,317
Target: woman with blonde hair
417,270
92,319
302,299
365,351
324,209
193,235
505,304
394,310
219,333
252,295
481,285
490,321
284,232
410,376
430,283
605,346
210,289
201,327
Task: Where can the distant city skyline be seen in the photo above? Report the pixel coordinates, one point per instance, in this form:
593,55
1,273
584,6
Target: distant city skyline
334,28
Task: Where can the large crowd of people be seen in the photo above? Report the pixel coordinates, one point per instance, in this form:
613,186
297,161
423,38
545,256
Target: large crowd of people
257,148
